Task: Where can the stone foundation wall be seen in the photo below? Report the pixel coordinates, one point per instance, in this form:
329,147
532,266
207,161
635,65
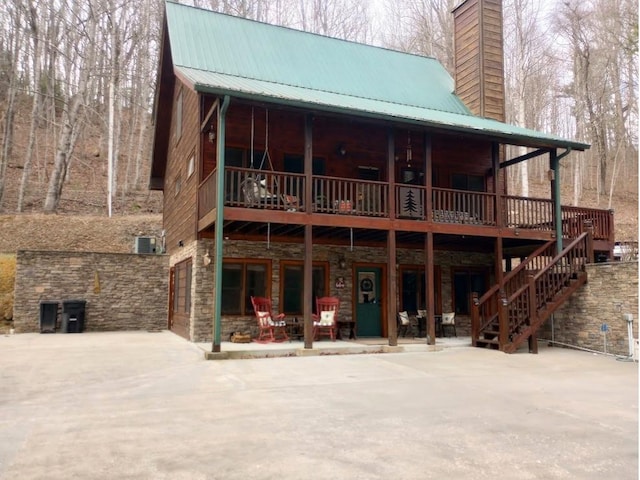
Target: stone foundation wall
122,291
610,292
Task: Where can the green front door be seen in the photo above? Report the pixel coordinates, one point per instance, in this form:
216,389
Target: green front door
368,301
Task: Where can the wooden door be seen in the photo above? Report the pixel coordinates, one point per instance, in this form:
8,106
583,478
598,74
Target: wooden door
368,301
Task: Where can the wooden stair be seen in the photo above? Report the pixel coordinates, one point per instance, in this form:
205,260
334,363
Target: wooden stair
512,312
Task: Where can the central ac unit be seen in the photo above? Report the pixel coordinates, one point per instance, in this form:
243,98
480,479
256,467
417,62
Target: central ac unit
145,245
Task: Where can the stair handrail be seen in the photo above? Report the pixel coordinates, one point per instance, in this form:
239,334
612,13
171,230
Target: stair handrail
563,254
528,260
498,291
587,255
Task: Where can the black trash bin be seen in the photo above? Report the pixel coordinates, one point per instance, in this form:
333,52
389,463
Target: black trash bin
48,317
73,314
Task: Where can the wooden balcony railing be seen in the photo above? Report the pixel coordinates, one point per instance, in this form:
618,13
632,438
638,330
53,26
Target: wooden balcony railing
263,189
346,196
458,206
537,214
207,195
271,190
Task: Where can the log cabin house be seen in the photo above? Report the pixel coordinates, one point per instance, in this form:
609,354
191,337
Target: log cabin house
296,166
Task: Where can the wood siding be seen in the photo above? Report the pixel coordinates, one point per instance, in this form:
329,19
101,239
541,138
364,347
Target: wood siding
479,57
365,145
180,213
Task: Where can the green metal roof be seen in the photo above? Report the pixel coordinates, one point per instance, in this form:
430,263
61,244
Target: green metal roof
222,54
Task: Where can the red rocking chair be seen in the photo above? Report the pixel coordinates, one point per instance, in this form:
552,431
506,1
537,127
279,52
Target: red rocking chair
272,328
325,321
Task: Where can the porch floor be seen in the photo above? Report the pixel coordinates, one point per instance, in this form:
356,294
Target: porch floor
327,347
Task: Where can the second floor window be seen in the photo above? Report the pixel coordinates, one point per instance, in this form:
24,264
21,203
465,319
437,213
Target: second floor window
472,183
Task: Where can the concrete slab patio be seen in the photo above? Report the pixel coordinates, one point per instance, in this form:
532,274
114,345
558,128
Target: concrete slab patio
148,406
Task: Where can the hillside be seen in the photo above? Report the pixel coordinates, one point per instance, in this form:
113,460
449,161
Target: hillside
75,232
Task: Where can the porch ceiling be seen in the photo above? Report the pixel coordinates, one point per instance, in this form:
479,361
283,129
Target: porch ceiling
277,232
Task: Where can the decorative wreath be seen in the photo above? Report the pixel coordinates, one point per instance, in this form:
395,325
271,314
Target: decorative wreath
366,285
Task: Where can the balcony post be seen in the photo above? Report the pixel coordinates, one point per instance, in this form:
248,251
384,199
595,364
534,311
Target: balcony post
391,176
307,292
428,177
498,207
503,321
475,318
554,163
219,238
429,286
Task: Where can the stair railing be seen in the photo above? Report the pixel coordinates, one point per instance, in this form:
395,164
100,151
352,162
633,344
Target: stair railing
486,309
533,303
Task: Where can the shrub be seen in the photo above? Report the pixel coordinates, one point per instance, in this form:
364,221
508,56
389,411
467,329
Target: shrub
7,282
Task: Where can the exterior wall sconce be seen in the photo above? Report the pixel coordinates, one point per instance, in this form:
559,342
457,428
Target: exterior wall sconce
211,135
206,259
342,263
180,243
341,150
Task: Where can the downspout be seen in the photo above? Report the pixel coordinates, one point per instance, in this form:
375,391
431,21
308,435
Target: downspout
555,166
217,301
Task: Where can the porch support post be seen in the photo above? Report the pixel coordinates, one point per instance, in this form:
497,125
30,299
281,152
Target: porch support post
554,163
498,258
392,298
429,285
428,178
498,209
391,175
217,300
307,293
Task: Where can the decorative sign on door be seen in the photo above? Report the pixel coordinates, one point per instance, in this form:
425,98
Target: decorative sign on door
366,287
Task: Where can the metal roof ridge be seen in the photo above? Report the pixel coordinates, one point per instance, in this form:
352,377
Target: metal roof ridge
337,93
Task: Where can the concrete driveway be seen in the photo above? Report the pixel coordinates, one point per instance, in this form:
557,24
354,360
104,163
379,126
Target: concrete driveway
147,406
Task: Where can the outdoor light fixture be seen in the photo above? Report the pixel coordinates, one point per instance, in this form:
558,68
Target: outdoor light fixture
409,153
342,263
212,134
341,150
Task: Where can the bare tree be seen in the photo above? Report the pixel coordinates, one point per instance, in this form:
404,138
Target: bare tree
14,14
81,26
36,101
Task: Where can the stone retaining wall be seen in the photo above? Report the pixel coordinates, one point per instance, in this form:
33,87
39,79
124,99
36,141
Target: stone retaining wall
122,291
610,292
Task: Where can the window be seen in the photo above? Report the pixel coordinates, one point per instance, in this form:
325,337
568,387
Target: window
295,164
242,279
369,173
182,287
472,183
412,288
178,118
191,165
292,286
178,185
464,283
241,158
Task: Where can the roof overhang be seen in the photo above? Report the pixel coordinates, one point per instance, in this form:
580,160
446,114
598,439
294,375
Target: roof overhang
293,96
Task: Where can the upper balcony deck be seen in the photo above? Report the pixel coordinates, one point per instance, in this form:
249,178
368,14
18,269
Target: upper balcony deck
279,197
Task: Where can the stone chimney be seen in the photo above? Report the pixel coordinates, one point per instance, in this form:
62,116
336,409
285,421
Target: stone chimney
479,57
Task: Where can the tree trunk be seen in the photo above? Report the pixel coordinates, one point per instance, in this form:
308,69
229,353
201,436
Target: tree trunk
35,107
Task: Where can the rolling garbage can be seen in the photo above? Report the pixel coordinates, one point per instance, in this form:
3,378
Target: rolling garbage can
48,317
73,315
